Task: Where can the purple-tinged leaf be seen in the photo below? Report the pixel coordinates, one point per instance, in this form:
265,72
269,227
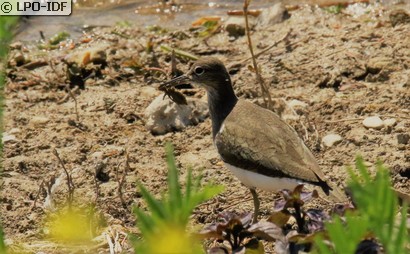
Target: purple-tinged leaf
282,245
279,205
292,199
246,219
266,230
306,196
316,219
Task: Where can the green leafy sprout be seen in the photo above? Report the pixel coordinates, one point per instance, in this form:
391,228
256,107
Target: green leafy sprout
164,229
377,216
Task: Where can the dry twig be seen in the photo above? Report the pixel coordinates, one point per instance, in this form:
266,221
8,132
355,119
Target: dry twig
70,183
121,181
75,102
265,90
37,195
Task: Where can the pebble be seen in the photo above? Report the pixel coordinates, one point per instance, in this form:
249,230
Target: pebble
14,131
7,138
373,122
376,64
39,120
403,138
331,140
389,122
297,103
163,115
398,17
235,30
235,26
95,54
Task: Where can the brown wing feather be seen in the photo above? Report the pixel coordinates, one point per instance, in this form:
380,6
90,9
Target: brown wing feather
263,142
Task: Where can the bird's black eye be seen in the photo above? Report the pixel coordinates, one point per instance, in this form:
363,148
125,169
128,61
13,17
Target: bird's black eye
199,70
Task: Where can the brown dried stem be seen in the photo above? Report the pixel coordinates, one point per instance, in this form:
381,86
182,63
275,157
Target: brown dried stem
70,183
38,194
265,90
121,181
75,102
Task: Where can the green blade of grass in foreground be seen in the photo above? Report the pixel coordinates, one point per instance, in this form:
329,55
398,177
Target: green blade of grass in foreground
377,214
164,227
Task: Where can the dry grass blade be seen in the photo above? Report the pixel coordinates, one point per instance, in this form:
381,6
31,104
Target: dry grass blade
121,180
75,102
70,183
265,90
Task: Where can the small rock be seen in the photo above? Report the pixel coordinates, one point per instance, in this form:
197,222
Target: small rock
163,115
235,30
373,122
97,156
95,54
292,107
399,17
297,103
331,140
403,138
14,131
389,122
39,121
19,59
273,15
376,64
7,138
235,25
16,45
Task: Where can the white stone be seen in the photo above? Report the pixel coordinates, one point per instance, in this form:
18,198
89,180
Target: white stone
297,103
39,120
97,155
7,138
390,122
373,122
164,115
14,131
331,140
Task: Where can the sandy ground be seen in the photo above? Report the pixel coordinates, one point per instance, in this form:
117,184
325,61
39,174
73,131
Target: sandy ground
332,72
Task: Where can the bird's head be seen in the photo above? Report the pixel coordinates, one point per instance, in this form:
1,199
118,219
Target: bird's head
208,72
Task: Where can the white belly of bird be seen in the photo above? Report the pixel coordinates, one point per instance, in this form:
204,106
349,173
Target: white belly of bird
266,183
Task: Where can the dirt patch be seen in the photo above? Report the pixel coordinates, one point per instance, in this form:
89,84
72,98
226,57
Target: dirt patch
332,72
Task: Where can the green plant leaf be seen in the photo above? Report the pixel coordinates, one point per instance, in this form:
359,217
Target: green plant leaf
154,205
174,188
377,209
169,215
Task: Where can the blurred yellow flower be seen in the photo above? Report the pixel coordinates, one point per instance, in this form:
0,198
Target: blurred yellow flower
169,239
71,225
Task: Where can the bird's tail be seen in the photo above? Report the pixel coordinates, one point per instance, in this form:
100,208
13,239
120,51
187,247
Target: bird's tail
336,195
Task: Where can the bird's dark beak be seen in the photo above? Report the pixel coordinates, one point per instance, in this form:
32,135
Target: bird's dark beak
183,79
